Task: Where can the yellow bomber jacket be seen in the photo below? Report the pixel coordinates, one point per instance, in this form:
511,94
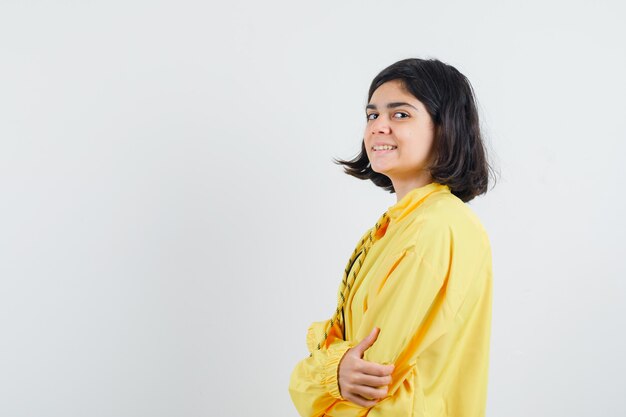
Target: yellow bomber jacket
427,284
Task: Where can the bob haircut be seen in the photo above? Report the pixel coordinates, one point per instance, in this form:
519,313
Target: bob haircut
459,159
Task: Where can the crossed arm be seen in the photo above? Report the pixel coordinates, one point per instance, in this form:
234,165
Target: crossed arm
346,377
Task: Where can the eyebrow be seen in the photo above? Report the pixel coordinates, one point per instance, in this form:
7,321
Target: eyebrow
391,105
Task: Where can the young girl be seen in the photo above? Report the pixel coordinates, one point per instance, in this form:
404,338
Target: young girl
410,335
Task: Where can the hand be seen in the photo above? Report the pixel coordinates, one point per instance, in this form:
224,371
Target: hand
360,381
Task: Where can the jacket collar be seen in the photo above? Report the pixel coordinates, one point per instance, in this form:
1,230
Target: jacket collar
414,199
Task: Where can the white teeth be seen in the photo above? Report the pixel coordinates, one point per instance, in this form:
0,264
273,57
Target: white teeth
383,148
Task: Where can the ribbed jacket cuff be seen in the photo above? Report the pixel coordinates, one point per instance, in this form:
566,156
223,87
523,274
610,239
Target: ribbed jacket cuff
331,368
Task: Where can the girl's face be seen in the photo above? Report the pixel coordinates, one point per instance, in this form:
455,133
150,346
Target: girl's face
399,133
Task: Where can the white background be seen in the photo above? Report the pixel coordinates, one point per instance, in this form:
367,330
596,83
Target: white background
171,220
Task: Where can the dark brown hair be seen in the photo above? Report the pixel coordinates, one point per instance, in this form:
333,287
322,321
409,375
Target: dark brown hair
460,159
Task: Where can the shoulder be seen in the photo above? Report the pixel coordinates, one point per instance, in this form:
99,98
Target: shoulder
444,225
446,213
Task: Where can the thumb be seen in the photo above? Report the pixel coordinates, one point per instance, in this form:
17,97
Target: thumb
367,341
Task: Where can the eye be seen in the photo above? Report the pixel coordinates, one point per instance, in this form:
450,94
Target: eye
397,115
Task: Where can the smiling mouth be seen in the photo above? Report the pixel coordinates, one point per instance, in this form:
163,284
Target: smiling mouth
384,148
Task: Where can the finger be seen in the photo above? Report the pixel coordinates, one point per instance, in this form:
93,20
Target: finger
372,381
367,341
375,369
369,392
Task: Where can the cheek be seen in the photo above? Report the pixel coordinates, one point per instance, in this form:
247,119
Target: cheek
367,149
420,146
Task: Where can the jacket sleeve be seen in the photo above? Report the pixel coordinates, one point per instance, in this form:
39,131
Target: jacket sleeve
313,385
404,309
410,307
413,305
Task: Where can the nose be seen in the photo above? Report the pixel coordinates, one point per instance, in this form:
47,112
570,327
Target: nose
380,125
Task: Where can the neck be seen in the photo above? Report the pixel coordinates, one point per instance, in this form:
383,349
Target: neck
403,186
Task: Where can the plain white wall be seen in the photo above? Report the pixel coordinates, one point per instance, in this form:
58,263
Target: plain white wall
171,220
